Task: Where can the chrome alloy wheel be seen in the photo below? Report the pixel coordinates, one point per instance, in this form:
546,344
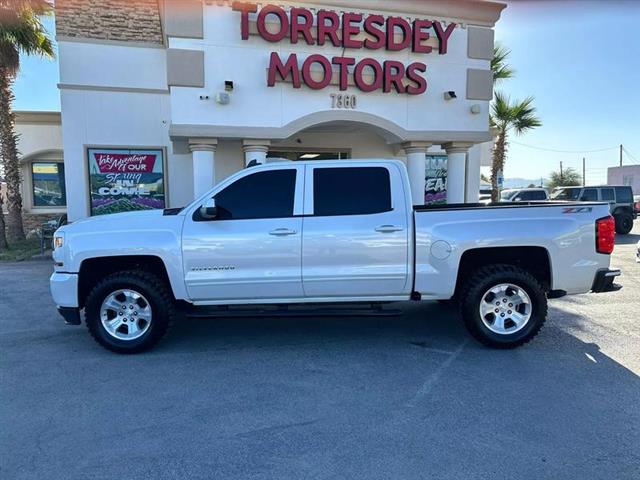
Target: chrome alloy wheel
505,308
125,314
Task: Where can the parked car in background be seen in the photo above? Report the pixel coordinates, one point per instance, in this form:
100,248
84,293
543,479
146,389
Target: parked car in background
636,203
619,198
327,233
524,195
485,194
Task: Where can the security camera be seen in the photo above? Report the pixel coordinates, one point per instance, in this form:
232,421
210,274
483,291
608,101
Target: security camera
450,95
228,86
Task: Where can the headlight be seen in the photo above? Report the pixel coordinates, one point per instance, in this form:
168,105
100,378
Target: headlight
58,241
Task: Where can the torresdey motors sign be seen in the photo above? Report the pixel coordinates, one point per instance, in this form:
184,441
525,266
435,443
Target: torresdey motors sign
125,180
346,31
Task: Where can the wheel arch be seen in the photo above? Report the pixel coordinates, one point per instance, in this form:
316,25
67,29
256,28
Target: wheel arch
94,269
534,259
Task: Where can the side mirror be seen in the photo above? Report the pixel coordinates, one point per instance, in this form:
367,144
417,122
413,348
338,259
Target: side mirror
209,211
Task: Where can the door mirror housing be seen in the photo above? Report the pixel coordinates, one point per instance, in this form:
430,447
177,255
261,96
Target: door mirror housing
208,210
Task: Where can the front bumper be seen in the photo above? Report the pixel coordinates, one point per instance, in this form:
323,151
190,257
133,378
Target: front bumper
603,282
64,289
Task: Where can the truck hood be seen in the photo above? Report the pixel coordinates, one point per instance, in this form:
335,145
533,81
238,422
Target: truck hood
116,217
137,221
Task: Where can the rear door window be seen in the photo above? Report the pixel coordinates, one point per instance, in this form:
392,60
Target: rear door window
351,191
607,195
589,195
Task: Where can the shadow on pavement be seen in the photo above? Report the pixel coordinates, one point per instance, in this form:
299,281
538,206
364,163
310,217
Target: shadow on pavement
629,239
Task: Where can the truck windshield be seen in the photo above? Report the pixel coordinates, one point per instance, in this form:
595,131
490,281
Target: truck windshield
566,194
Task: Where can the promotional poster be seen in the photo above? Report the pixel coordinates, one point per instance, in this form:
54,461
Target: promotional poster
126,180
436,186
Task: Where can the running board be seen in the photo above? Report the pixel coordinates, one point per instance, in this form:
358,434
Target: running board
278,311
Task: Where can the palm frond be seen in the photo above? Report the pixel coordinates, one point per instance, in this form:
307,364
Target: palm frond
22,31
499,67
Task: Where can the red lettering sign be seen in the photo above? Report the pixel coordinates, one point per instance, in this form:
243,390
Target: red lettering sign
124,163
274,24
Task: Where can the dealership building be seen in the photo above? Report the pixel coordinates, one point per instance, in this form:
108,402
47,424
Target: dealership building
160,99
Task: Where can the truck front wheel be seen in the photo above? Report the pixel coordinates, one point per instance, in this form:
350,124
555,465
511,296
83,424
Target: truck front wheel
129,312
503,306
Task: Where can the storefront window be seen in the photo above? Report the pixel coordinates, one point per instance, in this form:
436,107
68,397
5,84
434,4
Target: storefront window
48,184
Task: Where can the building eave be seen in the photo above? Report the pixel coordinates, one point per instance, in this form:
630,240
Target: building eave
38,118
473,12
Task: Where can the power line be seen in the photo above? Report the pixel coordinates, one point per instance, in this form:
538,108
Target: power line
563,151
629,155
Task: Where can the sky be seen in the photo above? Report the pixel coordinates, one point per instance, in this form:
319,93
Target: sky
580,60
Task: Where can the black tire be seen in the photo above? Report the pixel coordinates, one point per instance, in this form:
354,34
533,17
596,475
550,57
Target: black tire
624,223
153,289
480,282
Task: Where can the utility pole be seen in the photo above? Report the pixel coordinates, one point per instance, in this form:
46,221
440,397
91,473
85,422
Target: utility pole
620,154
584,175
561,176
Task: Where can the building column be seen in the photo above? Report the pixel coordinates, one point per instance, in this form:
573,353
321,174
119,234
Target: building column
417,168
456,170
474,161
255,150
204,156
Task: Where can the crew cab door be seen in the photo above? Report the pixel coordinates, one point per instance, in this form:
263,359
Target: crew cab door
356,232
252,249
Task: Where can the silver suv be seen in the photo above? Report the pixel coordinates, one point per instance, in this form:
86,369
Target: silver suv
619,198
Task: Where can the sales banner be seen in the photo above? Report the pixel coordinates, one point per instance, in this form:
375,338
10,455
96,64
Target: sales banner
436,184
125,180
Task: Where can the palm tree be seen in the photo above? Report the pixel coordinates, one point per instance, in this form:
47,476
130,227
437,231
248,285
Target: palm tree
21,31
518,117
499,66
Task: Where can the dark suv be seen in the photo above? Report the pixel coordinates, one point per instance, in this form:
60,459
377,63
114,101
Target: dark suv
619,198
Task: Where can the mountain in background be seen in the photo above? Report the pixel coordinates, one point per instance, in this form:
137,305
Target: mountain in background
522,182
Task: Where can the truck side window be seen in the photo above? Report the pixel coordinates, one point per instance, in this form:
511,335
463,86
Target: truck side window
351,191
539,195
269,194
589,195
624,195
607,194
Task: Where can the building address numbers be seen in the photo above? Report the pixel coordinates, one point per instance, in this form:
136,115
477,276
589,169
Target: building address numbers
340,100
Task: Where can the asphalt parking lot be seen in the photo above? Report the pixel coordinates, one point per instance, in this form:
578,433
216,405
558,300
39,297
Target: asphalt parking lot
405,397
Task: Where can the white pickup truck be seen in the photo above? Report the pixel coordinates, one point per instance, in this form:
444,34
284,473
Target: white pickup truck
324,233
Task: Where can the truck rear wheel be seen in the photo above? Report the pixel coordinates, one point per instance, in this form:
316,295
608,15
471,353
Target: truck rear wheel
129,312
624,223
503,306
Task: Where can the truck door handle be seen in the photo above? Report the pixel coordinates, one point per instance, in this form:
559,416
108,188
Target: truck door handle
282,232
389,229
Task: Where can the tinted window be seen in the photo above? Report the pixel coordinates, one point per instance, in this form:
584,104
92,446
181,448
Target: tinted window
351,191
566,194
259,195
607,194
523,196
624,195
538,195
589,195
